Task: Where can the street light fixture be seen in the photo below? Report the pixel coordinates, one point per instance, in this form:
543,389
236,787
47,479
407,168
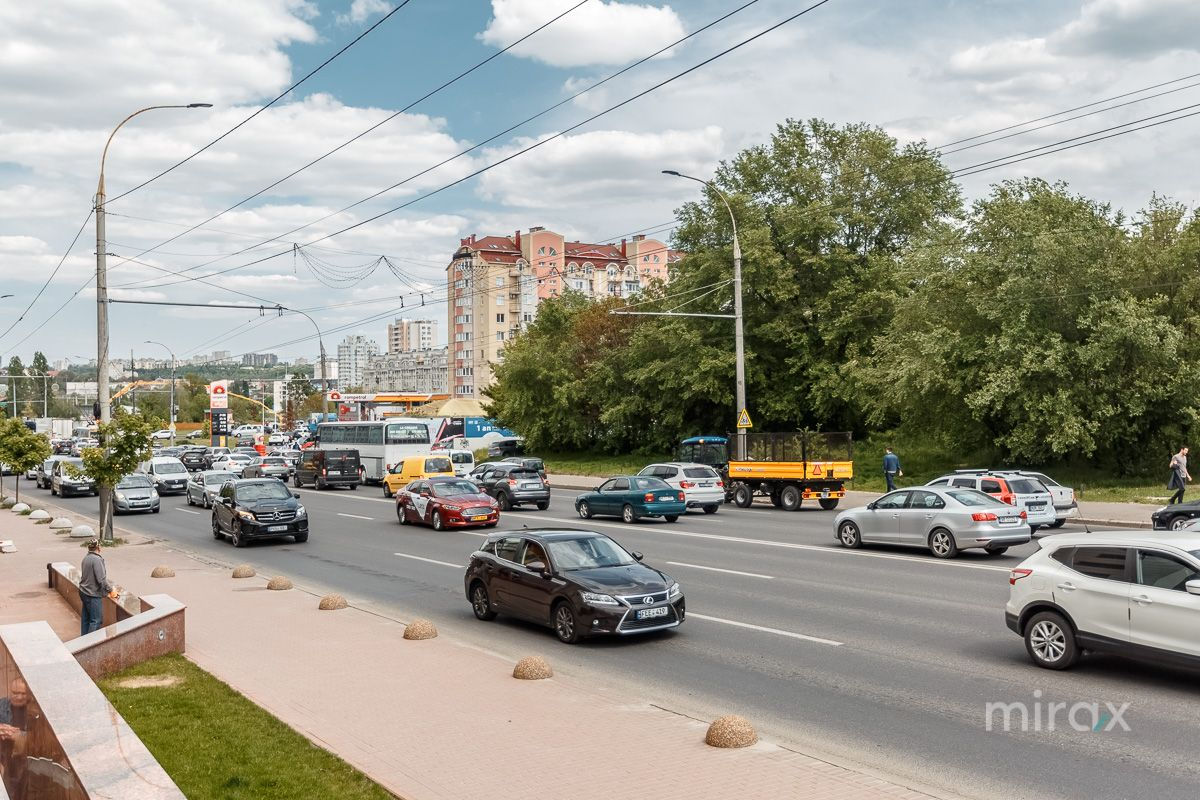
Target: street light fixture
172,408
102,390
739,346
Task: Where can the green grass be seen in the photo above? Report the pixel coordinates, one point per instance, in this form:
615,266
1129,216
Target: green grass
214,743
596,464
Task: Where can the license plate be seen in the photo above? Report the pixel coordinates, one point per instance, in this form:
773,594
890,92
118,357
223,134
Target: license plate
666,497
1036,506
531,486
824,493
479,518
335,472
648,613
1008,520
276,528
705,484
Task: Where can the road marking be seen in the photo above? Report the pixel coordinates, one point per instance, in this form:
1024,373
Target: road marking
764,629
430,560
718,569
356,516
189,511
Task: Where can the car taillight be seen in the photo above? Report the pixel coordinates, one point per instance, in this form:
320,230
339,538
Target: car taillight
983,516
512,482
1008,497
324,470
686,484
649,498
720,484
1024,515
681,496
1016,575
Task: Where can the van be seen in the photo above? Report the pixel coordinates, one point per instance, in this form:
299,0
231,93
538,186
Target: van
417,468
463,461
324,468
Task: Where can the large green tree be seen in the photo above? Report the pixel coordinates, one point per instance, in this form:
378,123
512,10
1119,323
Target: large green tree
15,390
124,444
21,448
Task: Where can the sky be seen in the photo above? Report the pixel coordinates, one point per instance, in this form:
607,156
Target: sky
70,70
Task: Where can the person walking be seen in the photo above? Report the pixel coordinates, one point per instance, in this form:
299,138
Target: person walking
93,586
891,468
1179,475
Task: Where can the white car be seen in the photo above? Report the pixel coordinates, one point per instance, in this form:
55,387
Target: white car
1065,505
701,484
1133,593
162,435
278,440
1027,494
233,462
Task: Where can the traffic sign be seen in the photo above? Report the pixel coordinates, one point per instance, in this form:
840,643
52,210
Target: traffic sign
744,419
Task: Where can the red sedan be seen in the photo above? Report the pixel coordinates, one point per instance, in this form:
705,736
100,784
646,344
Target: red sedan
446,503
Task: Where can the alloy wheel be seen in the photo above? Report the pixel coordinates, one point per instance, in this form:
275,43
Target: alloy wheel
848,534
941,544
585,511
1047,641
564,623
627,514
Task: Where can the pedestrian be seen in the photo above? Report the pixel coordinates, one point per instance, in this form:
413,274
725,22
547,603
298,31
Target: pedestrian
93,586
1179,475
891,468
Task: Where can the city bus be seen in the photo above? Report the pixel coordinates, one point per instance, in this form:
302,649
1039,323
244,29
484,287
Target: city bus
380,443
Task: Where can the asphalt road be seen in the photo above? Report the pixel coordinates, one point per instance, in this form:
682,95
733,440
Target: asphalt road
882,658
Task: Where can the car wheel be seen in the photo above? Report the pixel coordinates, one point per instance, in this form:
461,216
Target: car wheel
627,514
711,509
189,499
400,515
502,500
671,517
353,487
828,503
480,603
207,501
301,538
319,484
296,481
543,505
1033,529
995,551
942,544
1058,523
742,496
156,509
53,491
849,535
584,509
386,491
1178,523
1050,641
235,536
216,528
438,525
790,498
566,626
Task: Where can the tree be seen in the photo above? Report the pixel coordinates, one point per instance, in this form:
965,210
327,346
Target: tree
15,367
21,448
39,365
297,392
124,444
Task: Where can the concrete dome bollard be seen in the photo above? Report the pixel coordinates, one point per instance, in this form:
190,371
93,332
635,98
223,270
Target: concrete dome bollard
532,668
61,524
7,502
82,532
244,571
162,571
420,629
40,515
332,602
730,731
20,508
279,584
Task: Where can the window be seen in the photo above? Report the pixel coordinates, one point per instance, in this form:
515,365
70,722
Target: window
989,486
970,497
507,548
407,433
1163,571
926,500
499,318
893,501
1063,555
499,336
489,547
1100,562
620,485
541,251
701,472
500,301
533,552
939,482
499,282
1026,486
963,483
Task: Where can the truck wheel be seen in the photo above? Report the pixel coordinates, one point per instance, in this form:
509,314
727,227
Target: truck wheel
742,496
789,498
828,503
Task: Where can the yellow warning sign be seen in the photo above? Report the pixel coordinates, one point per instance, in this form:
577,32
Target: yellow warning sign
744,419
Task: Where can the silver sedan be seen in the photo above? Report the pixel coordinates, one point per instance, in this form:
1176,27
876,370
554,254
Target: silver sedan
941,519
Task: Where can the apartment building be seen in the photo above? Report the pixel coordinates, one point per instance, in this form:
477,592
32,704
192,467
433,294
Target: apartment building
411,334
353,355
410,371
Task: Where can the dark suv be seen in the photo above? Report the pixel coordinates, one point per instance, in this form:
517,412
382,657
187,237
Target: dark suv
528,462
195,458
512,484
325,468
259,508
506,447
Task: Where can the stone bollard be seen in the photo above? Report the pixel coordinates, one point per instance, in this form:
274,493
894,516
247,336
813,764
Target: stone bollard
532,668
244,571
279,584
20,508
61,524
40,515
420,629
332,602
81,532
730,731
162,572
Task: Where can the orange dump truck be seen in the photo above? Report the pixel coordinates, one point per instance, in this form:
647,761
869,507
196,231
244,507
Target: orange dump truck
793,467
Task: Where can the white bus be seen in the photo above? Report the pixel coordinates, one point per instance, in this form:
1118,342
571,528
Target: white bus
380,444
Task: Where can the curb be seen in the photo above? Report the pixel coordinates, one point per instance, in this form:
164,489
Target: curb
1113,523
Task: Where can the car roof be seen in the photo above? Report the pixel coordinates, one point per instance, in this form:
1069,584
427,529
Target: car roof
163,458
549,534
677,464
443,479
1126,537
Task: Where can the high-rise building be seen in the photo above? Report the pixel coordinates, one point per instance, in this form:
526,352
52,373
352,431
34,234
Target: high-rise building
411,334
496,282
418,371
259,360
353,354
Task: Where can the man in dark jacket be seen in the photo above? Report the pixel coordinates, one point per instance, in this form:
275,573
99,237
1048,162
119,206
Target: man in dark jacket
891,468
93,586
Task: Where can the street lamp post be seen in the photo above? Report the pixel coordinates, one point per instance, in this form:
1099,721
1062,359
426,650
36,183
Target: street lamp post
171,415
324,368
102,391
739,346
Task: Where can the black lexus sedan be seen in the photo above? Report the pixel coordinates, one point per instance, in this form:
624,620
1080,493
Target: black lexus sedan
578,582
258,508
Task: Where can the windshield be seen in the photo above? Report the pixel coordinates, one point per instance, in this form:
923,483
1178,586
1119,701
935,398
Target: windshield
134,482
453,488
1026,486
262,491
169,467
970,497
462,457
641,483
588,553
218,477
438,465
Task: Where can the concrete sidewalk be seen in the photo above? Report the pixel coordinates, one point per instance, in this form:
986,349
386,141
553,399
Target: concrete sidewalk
439,719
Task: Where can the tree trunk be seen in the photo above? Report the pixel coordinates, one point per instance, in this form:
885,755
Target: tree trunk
106,517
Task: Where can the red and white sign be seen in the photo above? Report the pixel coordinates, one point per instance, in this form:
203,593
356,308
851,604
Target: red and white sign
335,396
218,394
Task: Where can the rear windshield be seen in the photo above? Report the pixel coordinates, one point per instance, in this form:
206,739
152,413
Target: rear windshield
462,457
275,461
699,472
525,475
535,464
648,483
1026,486
438,465
970,497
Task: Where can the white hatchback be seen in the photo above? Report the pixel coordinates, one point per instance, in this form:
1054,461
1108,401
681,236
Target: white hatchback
701,485
1133,593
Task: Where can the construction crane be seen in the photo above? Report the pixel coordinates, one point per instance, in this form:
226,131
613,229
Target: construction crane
129,387
264,406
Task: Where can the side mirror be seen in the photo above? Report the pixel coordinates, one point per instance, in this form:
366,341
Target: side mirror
871,506
1192,587
424,494
595,488
296,495
636,555
227,501
538,567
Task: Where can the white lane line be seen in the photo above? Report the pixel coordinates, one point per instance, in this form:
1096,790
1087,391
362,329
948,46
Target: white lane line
776,631
189,511
356,516
430,560
671,530
718,569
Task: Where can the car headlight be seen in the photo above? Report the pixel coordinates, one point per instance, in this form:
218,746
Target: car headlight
592,598
120,496
154,494
674,591
245,514
452,508
300,512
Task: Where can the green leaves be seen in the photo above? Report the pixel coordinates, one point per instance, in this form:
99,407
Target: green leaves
124,444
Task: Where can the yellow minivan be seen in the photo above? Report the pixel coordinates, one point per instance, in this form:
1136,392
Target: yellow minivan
415,468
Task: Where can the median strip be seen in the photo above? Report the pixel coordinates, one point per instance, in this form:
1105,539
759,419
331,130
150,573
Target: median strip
764,629
718,569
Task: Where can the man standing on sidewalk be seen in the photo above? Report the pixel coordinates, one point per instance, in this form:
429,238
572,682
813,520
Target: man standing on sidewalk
891,468
93,586
1179,475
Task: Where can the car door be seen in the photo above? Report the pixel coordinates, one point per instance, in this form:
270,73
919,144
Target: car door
917,517
1096,591
500,575
1162,614
421,500
882,523
532,590
222,513
616,496
598,498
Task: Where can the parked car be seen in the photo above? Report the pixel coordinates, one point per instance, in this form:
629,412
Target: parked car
195,458
278,439
1016,490
202,487
65,482
174,451
1132,593
944,520
135,492
325,468
259,508
512,485
1065,504
535,464
196,434
579,583
632,497
170,476
507,446
701,484
463,461
1175,517
414,468
161,436
268,467
42,478
446,502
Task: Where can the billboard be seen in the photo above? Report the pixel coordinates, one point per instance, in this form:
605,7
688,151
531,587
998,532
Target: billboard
218,394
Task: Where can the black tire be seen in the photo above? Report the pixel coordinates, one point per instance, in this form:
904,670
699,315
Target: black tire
235,536
711,509
319,484
1058,523
849,535
742,496
216,528
828,503
566,624
481,603
436,521
52,490
627,514
671,517
1033,529
386,491
1177,522
188,497
207,501
1050,641
400,515
942,544
542,506
296,481
995,551
353,486
157,510
504,501
584,510
301,538
790,498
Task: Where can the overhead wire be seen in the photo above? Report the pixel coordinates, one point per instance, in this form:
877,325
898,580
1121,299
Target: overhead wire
53,272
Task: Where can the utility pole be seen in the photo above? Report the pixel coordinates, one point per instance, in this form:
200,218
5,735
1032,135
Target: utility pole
171,410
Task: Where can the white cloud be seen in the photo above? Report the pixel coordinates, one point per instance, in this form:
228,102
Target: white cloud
361,10
598,32
1131,29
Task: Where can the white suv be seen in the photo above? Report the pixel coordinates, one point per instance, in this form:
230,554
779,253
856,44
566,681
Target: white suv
701,484
1008,487
1128,592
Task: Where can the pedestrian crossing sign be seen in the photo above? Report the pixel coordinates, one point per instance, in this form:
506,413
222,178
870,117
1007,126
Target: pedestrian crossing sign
744,419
